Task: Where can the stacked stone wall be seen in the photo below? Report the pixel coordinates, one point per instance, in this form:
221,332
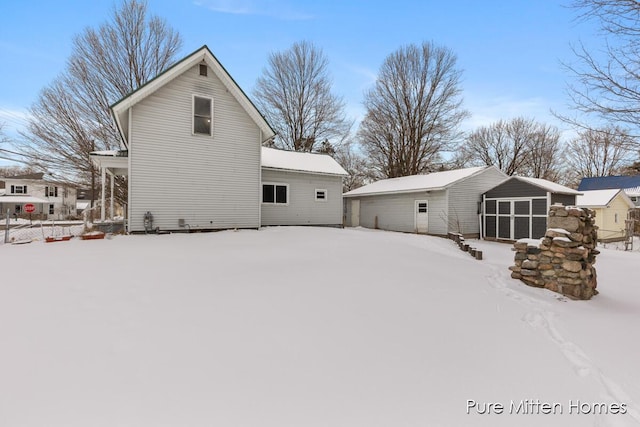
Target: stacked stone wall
563,260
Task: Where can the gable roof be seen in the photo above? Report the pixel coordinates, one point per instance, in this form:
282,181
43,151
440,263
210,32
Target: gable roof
550,186
273,158
120,108
601,198
413,183
633,191
32,176
609,182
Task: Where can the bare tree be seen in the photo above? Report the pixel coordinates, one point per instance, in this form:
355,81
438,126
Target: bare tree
71,117
503,144
600,152
352,160
519,146
294,94
544,153
413,111
607,80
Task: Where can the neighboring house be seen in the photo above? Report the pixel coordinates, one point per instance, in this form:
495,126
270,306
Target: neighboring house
630,185
437,203
611,208
518,207
192,151
52,200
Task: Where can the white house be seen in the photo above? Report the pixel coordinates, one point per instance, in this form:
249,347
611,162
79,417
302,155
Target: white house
52,200
436,203
192,151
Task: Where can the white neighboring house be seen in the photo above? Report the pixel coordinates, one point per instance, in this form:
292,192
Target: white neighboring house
52,200
192,151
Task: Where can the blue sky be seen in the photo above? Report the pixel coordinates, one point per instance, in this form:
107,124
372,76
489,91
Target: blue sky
509,50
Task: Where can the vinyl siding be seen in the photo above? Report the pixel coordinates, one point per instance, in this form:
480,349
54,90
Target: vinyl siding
565,199
515,188
605,219
396,212
210,182
302,208
464,199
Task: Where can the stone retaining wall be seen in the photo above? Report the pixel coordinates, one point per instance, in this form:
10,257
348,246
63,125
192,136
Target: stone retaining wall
563,260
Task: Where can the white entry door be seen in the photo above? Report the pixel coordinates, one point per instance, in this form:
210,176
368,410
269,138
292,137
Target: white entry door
355,212
422,216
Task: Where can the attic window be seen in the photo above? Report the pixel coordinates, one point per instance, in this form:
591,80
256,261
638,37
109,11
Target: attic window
203,70
202,114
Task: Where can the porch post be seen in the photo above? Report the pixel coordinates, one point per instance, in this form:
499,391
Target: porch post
112,179
103,198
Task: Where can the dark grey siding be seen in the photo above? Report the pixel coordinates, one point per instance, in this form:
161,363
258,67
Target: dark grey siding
539,227
515,188
565,199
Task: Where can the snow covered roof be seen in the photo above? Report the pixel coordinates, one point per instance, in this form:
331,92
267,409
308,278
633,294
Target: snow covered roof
29,176
22,199
600,198
633,191
297,161
548,185
413,183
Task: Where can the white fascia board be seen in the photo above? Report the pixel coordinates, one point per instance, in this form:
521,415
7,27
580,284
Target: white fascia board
301,171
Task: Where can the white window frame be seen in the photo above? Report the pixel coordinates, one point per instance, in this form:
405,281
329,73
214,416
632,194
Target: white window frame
274,203
193,115
321,190
52,209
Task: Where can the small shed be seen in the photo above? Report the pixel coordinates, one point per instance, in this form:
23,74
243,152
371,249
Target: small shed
518,207
436,203
611,208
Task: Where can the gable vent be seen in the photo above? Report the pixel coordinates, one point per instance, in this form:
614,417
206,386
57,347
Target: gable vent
203,70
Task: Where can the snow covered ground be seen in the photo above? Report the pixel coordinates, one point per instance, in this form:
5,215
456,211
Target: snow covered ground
309,326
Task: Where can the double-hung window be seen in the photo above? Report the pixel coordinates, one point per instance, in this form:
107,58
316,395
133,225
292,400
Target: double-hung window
18,189
277,194
51,191
202,115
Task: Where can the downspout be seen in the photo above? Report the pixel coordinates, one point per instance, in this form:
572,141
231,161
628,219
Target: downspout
482,216
260,179
128,218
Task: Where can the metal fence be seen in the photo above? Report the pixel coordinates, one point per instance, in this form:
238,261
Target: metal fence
22,232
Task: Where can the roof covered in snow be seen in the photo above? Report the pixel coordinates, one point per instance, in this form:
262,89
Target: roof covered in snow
413,183
303,162
21,199
548,185
600,198
633,191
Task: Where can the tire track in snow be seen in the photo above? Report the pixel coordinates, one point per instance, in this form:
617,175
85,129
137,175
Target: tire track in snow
541,317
